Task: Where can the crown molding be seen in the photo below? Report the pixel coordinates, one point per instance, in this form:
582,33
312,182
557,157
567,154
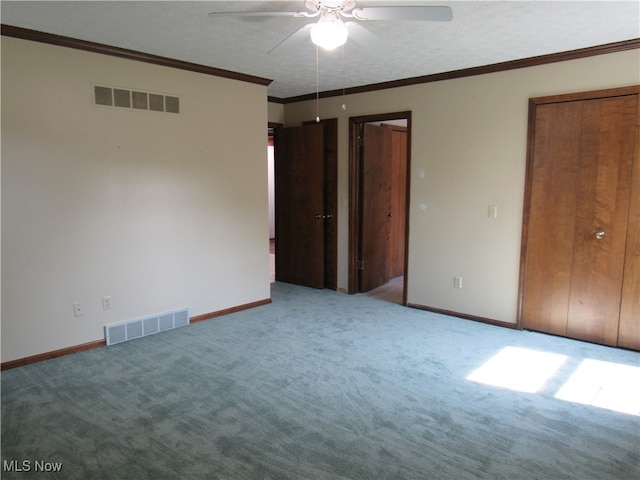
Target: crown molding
469,72
61,41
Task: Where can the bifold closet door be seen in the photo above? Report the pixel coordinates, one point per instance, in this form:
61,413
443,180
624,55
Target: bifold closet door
576,225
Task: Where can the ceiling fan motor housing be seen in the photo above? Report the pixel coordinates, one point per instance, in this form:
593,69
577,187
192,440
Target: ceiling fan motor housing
330,5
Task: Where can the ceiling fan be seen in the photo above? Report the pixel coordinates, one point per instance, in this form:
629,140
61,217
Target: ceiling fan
330,31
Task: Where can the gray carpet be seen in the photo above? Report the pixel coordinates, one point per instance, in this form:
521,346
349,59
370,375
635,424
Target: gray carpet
316,385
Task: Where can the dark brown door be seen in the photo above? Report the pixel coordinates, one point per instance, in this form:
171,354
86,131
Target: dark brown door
576,224
299,205
330,201
376,205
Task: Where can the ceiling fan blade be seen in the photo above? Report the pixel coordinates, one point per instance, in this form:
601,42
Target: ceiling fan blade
294,39
263,14
368,40
424,13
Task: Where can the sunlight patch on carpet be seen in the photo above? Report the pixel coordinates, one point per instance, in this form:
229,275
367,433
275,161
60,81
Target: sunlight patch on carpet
519,369
604,384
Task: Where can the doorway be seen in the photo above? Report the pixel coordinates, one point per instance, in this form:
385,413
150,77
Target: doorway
379,151
271,198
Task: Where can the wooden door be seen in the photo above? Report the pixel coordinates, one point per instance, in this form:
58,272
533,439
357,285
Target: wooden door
397,223
376,188
299,204
603,199
629,328
575,229
330,211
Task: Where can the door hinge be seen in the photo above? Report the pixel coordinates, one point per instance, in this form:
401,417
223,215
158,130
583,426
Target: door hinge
360,265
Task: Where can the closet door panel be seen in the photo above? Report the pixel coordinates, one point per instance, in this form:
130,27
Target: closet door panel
552,210
606,153
629,328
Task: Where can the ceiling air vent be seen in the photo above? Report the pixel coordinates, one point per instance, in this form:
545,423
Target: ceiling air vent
103,95
140,100
135,99
121,98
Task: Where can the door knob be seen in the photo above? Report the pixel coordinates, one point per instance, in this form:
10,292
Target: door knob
389,214
599,234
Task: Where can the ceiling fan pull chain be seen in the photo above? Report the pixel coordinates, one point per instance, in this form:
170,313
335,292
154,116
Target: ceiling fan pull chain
344,88
317,87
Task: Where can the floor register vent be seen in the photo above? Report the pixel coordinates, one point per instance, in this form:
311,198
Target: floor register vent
119,332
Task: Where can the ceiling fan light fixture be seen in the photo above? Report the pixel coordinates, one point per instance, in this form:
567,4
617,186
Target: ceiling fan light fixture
329,32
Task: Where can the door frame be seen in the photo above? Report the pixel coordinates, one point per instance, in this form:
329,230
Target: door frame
534,103
355,196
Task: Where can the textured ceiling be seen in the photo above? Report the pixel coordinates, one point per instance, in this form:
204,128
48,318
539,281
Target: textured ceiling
481,33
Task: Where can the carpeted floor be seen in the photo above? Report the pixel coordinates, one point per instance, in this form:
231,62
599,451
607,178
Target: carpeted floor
319,385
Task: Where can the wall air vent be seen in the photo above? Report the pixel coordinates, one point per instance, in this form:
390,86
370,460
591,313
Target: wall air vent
141,327
135,99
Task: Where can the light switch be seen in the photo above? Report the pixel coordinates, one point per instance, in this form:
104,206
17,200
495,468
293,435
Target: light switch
106,303
493,211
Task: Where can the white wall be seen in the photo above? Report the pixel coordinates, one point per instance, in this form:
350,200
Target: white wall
276,115
271,190
156,210
276,112
468,151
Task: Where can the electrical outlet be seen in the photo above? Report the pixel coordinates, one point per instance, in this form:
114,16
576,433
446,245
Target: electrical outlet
106,303
78,311
457,282
493,211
